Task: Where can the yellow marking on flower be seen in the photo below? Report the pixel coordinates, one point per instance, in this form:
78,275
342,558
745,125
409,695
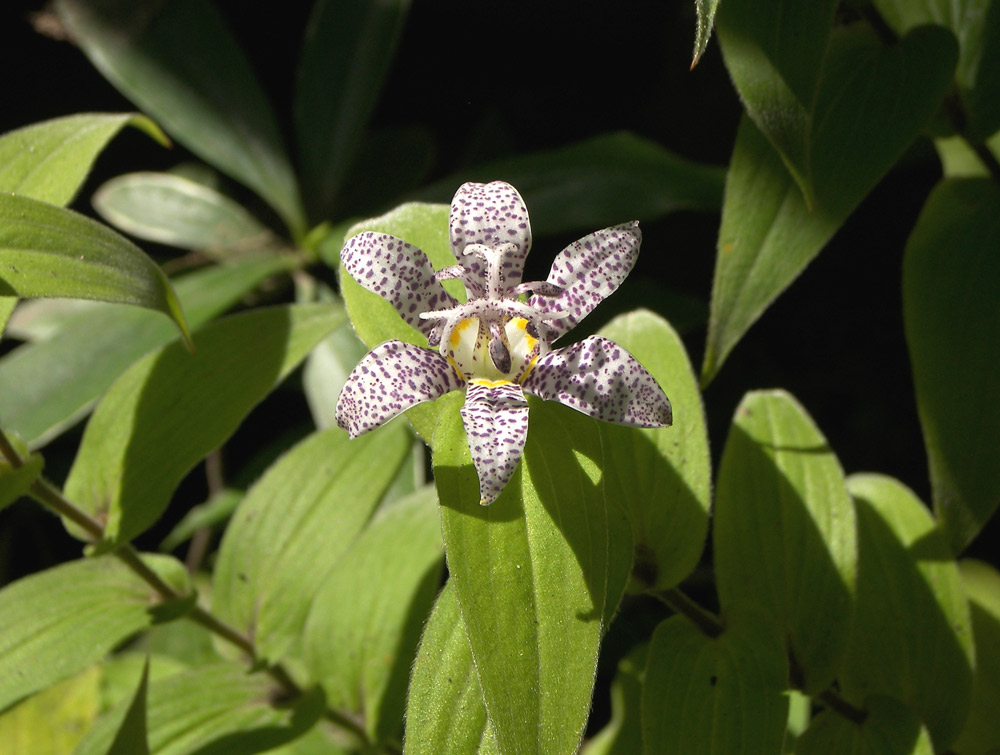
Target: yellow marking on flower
527,371
456,334
486,383
454,365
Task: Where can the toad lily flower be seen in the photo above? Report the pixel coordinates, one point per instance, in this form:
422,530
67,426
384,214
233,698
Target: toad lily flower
496,345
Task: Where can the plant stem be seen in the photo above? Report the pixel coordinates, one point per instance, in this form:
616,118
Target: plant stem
49,496
839,705
707,622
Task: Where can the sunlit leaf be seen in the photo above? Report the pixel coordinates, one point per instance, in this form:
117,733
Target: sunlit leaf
723,694
706,19
214,709
180,64
60,621
171,408
951,275
445,714
292,528
177,211
662,476
52,721
982,728
889,728
912,638
960,160
130,736
49,251
784,531
538,573
7,304
50,160
345,57
49,385
359,643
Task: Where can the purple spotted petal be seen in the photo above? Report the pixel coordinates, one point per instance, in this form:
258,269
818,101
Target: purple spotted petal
390,379
490,214
589,270
399,273
600,378
496,425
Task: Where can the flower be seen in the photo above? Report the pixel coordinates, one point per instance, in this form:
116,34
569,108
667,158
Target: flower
495,345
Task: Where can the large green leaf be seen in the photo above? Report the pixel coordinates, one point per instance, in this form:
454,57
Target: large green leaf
445,714
218,709
50,160
60,621
722,694
538,573
982,728
131,737
374,319
784,531
172,408
976,26
889,728
598,182
365,622
663,476
49,385
292,528
52,721
951,275
912,637
50,251
345,57
179,63
865,114
7,304
174,210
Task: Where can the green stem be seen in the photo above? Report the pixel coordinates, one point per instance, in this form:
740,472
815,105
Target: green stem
679,602
49,496
839,705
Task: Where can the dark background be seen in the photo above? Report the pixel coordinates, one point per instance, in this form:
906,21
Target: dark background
521,76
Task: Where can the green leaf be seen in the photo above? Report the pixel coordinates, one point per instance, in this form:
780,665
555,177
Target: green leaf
538,573
179,63
214,710
50,385
168,410
623,733
375,320
598,182
345,58
60,621
326,371
48,251
16,479
212,512
7,304
889,728
976,26
272,563
360,642
951,274
52,722
662,476
864,116
959,160
912,638
982,728
177,211
784,531
50,161
131,737
724,694
706,19
445,714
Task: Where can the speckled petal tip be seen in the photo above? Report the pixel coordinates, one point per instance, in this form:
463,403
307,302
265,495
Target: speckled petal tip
390,379
589,270
490,214
399,273
495,416
600,378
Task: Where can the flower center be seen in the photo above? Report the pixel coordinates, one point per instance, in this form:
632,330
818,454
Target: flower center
504,351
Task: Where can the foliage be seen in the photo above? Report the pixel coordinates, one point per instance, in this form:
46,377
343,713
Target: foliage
332,599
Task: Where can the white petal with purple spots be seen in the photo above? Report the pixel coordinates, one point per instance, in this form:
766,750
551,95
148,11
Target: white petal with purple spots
399,273
493,215
495,416
600,378
588,271
390,379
